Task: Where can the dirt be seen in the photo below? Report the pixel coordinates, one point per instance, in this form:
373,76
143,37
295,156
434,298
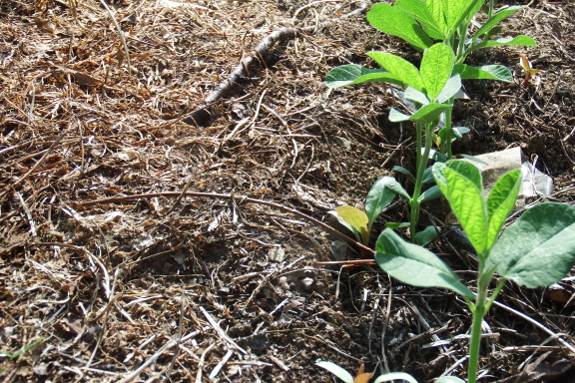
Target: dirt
134,245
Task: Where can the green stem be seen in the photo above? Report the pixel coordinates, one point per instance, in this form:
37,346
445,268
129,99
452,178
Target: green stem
418,144
421,165
446,141
490,9
478,315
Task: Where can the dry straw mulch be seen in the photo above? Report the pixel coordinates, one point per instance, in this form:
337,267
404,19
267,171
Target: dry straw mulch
134,246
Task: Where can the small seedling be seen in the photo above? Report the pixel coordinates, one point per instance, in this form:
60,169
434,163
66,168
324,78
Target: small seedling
528,68
378,198
22,351
536,250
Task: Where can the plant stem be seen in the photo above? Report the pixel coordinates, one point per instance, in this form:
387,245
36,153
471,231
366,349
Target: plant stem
418,144
446,148
421,165
490,9
478,315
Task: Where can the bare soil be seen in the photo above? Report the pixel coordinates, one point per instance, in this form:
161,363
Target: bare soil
134,246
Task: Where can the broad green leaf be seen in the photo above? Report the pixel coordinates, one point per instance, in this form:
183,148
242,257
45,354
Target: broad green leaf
394,21
418,10
356,74
356,233
428,175
336,370
397,225
435,69
436,155
452,86
425,236
356,218
431,193
460,11
539,248
500,203
519,40
396,116
429,114
485,72
449,379
415,265
402,170
395,376
460,182
456,132
401,69
415,95
397,188
378,197
435,8
495,18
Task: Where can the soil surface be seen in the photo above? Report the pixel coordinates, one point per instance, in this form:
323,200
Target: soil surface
138,245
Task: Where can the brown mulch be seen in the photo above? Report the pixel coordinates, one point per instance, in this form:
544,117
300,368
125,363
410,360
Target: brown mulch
134,246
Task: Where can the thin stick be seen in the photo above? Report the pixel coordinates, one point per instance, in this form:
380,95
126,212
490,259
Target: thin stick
122,39
221,332
28,215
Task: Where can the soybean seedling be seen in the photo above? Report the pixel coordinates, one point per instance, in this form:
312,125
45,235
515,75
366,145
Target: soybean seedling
429,88
378,198
536,250
528,68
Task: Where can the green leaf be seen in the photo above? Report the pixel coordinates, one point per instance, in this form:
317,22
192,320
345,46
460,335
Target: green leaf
425,236
394,21
539,248
435,69
449,379
456,132
500,203
485,72
415,95
496,18
356,74
415,265
435,8
418,10
402,170
396,116
395,376
357,219
436,155
336,370
397,188
397,225
378,197
457,11
460,182
356,233
428,175
431,193
401,69
519,40
460,11
452,86
429,114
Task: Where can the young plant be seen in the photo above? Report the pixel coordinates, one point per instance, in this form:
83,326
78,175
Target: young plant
528,68
358,222
429,88
434,87
536,250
